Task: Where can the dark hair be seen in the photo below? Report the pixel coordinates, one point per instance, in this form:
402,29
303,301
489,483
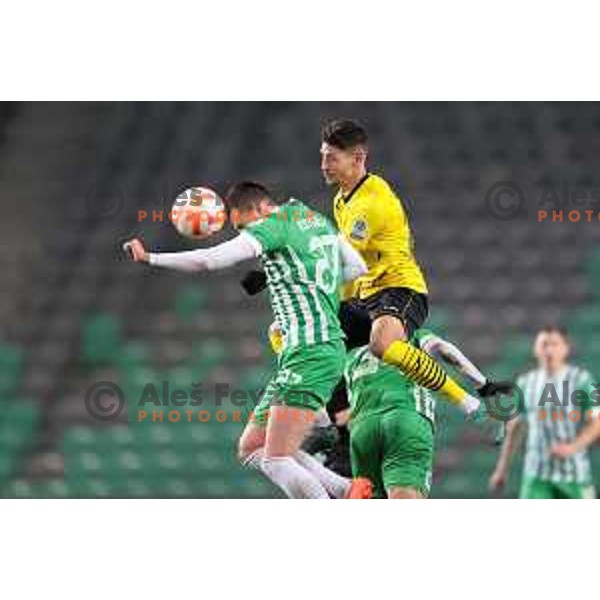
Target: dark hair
246,195
344,134
553,328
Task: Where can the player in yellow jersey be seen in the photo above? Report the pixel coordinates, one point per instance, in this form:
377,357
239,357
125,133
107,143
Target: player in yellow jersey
389,303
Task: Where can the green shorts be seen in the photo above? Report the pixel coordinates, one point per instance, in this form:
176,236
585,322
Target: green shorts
305,378
534,488
393,449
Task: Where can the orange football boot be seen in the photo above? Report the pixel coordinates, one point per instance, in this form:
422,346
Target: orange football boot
360,489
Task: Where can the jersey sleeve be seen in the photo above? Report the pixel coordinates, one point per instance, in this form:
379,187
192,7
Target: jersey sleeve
353,265
270,233
586,383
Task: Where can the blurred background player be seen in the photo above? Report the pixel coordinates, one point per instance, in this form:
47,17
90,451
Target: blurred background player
392,418
393,294
562,415
306,262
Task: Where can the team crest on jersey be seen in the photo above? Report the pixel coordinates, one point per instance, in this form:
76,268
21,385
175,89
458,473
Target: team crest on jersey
359,230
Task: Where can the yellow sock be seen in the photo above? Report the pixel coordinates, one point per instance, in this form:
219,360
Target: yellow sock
423,370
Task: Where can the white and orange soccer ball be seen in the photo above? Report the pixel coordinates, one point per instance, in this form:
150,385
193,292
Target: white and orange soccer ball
198,213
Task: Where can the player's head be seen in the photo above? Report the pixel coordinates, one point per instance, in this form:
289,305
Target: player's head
247,201
344,148
552,347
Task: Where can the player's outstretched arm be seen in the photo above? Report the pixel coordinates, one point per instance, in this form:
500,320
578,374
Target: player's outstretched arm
353,265
223,255
590,432
586,437
514,431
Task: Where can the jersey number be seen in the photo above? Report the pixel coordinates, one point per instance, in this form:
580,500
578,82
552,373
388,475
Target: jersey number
328,264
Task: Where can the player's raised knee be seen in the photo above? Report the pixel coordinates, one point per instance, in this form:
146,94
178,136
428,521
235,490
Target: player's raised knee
377,347
381,339
250,441
385,331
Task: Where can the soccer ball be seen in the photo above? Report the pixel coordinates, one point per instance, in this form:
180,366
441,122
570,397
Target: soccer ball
198,213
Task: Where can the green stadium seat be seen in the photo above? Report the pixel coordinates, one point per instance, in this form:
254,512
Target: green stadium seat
592,269
448,433
481,460
517,348
127,461
137,488
7,465
256,486
585,323
21,417
255,378
18,489
154,438
169,461
79,439
11,438
138,394
54,489
181,378
453,485
133,355
209,353
178,488
89,487
587,352
200,436
515,357
121,437
11,369
174,460
189,302
18,425
212,488
204,462
439,320
82,465
101,340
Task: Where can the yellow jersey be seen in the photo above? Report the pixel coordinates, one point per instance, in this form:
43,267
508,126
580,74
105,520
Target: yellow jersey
373,219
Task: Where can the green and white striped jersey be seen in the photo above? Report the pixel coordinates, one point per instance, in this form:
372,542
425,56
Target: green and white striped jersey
375,387
554,415
300,252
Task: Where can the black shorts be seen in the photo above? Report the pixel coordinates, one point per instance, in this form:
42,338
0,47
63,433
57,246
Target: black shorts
356,316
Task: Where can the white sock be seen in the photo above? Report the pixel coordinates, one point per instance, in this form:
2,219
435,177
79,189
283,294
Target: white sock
335,484
321,418
253,461
470,405
293,479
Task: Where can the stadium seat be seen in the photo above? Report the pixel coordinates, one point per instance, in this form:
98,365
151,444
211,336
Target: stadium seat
101,340
11,369
189,301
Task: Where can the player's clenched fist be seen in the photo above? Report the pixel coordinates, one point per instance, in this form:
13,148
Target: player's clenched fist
563,450
135,250
497,481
